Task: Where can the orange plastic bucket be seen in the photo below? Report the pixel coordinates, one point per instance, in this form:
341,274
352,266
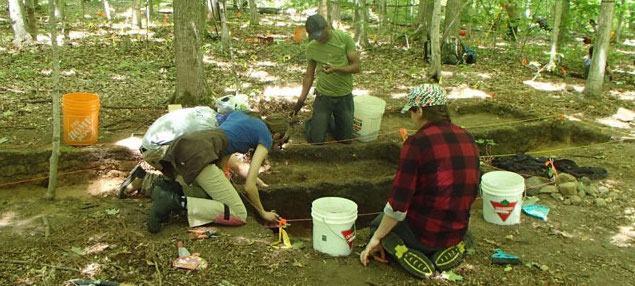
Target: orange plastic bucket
300,34
80,118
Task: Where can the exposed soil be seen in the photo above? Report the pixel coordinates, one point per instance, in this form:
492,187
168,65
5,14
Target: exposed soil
89,233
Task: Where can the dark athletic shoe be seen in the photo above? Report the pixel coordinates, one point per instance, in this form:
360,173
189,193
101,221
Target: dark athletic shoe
450,257
165,199
413,261
137,172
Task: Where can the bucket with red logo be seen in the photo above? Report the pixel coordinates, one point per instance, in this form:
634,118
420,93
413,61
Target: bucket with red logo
502,197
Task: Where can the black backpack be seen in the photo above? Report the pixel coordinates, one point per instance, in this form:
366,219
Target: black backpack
452,51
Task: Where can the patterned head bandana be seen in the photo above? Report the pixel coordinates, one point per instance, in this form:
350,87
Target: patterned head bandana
425,95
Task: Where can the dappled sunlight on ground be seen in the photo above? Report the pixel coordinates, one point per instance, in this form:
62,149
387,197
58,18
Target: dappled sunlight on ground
545,86
7,218
289,93
447,74
118,77
574,117
398,95
608,121
265,64
618,69
482,75
210,60
620,119
625,51
360,92
132,143
11,219
577,87
101,188
624,95
624,237
96,248
260,75
625,234
464,91
92,269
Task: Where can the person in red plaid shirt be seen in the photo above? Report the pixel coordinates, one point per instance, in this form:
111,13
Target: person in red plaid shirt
425,220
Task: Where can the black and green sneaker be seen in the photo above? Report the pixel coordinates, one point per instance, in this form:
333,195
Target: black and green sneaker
450,257
165,199
412,260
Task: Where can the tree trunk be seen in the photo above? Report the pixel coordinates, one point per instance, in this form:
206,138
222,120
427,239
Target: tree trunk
323,8
564,20
214,7
32,22
435,69
136,15
20,36
361,38
336,16
83,4
148,14
515,15
60,13
426,18
595,80
421,12
107,9
620,21
553,56
384,12
253,13
225,39
452,23
55,152
189,28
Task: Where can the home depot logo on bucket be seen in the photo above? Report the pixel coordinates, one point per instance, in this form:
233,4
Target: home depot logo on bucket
504,208
349,235
80,129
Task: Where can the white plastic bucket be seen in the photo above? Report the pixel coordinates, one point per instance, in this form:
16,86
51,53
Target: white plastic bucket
502,197
333,225
367,117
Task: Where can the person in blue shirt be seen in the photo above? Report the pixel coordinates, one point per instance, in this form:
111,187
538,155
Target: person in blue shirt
196,159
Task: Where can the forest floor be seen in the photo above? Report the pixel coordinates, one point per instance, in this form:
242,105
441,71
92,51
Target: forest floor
94,235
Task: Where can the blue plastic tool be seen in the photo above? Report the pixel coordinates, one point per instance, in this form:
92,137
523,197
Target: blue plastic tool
500,257
537,211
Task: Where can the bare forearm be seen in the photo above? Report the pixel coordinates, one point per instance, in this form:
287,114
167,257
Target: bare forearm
352,68
306,87
254,198
385,226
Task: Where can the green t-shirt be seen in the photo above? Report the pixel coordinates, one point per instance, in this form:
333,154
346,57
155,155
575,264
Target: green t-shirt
332,53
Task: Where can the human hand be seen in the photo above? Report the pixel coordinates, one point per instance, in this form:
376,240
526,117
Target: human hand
261,183
296,108
373,246
327,69
271,216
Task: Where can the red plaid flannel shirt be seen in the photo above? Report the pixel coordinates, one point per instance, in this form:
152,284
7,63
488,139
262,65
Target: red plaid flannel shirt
436,183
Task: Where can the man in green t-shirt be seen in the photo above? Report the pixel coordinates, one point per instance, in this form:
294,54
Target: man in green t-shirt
333,54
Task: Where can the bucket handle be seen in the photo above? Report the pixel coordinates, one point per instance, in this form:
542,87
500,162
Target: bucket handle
340,235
